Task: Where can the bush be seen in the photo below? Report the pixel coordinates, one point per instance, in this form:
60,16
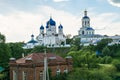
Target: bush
116,63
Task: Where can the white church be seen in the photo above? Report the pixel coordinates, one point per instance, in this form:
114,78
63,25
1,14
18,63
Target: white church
50,38
87,33
54,36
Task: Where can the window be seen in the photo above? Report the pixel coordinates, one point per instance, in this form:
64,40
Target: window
85,22
65,70
82,32
58,70
41,75
14,75
88,22
24,75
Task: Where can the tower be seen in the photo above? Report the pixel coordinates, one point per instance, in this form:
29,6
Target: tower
85,20
41,29
86,30
60,29
32,37
51,26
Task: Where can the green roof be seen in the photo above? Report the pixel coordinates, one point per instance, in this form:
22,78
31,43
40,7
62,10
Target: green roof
1,69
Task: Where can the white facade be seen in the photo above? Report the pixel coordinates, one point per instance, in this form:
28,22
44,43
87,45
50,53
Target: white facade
116,40
51,37
31,44
86,33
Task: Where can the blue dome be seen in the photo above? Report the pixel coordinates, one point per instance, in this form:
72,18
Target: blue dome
47,26
32,41
32,35
41,27
51,22
85,17
60,26
89,28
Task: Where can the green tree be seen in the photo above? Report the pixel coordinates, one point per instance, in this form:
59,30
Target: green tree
68,41
76,43
84,58
2,38
80,74
102,44
4,54
38,49
106,51
16,49
116,63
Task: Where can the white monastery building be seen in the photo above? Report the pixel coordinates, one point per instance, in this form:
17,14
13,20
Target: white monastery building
87,33
50,38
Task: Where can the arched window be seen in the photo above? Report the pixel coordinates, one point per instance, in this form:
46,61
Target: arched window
88,22
24,77
85,22
58,70
65,70
41,75
83,33
14,75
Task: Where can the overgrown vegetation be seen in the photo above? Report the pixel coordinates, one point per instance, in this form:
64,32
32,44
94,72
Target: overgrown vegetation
100,62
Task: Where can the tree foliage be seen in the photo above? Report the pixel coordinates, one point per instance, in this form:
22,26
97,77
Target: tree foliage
106,51
4,54
84,58
102,44
2,38
38,49
80,74
16,49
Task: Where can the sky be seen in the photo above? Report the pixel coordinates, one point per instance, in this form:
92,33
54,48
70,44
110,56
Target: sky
21,18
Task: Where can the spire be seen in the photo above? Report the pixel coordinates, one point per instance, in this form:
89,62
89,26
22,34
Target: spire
50,16
85,12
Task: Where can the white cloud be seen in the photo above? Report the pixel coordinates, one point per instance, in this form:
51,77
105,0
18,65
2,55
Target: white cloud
105,23
19,25
60,0
115,2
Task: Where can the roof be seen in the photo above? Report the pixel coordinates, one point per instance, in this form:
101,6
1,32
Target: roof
85,17
41,27
47,26
51,22
89,28
39,57
92,36
32,35
60,26
1,69
32,41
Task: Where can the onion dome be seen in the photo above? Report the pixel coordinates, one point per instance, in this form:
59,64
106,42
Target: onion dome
60,26
42,27
51,22
32,40
47,26
85,17
32,36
